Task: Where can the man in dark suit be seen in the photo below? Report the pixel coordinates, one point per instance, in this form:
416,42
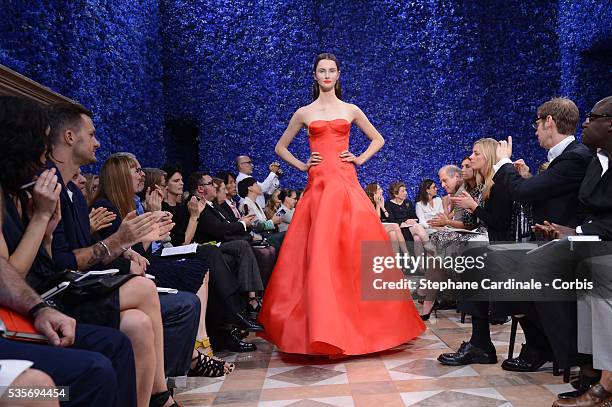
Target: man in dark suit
553,195
594,306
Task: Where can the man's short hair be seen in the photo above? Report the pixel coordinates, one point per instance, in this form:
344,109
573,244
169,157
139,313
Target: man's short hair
195,180
243,186
564,112
63,116
451,170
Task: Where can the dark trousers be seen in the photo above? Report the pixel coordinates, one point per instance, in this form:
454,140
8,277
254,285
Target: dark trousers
98,368
180,317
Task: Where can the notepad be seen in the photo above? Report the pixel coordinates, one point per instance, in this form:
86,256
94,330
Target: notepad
570,239
16,326
179,250
459,230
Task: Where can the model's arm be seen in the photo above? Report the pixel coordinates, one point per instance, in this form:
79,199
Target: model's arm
377,140
282,146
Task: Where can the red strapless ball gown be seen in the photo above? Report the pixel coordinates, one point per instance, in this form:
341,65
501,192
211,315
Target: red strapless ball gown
313,303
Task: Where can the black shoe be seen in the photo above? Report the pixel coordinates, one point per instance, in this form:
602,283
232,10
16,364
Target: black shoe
529,360
233,342
243,323
251,311
582,385
468,354
434,308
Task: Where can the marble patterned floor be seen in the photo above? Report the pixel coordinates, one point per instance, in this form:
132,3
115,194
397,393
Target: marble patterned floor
408,375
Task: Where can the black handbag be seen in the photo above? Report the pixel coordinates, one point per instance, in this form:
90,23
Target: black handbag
93,286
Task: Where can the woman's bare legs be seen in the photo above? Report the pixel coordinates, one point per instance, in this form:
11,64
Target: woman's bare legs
137,326
141,294
202,334
399,237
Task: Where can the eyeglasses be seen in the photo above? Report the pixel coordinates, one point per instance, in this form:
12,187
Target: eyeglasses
534,123
594,116
247,162
139,170
206,183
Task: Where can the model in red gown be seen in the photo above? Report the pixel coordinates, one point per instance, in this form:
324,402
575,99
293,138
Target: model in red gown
313,303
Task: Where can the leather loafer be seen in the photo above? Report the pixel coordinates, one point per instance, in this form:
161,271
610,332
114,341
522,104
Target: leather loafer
233,342
529,360
595,396
582,385
468,354
243,323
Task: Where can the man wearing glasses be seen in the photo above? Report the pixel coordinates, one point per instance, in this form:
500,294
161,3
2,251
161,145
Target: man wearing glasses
550,327
271,183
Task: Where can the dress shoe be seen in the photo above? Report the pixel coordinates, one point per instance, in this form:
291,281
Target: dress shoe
233,342
529,360
582,385
468,354
243,323
595,396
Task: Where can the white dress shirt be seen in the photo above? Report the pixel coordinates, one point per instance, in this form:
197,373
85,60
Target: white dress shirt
426,212
553,153
286,218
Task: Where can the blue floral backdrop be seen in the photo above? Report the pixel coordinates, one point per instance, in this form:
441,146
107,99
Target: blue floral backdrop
204,80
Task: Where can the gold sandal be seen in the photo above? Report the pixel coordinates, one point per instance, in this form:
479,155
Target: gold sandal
204,344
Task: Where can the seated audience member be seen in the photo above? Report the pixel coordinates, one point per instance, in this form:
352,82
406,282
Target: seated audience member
122,177
73,144
288,198
91,186
554,197
429,204
467,175
452,181
272,205
403,213
231,203
375,193
28,221
212,225
80,181
245,166
249,190
594,306
494,210
154,191
266,256
232,265
99,218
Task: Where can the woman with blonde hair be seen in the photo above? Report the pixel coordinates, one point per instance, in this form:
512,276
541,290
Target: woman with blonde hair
494,211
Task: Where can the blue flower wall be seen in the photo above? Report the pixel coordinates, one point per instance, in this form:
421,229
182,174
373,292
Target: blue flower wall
206,80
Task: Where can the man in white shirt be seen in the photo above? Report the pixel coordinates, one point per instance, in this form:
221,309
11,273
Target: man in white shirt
245,166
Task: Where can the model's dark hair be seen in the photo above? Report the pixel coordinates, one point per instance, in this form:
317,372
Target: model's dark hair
315,85
23,140
423,195
64,116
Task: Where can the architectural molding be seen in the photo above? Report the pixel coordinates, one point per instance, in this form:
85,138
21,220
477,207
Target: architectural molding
13,83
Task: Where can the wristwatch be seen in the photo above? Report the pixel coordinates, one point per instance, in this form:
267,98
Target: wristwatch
41,305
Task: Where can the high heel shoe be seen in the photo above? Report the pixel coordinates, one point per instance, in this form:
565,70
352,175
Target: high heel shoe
434,308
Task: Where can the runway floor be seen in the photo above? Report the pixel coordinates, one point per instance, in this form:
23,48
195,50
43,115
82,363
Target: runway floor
408,375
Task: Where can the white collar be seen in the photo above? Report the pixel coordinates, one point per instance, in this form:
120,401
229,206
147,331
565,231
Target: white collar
556,151
604,160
